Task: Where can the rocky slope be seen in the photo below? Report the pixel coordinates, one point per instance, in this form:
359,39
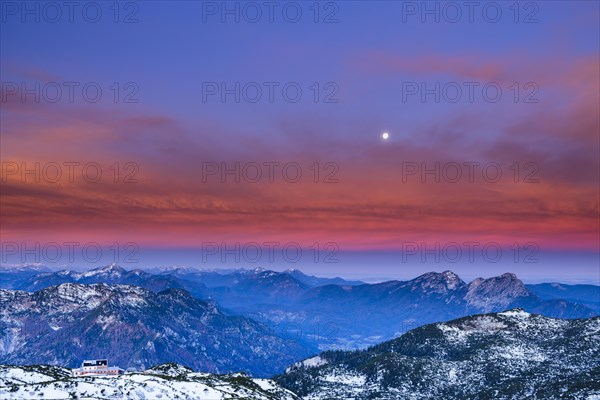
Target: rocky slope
134,327
507,355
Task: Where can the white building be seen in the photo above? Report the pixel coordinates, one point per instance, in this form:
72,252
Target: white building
96,368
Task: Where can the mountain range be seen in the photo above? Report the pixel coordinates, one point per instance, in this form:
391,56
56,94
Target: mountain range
344,314
587,295
136,328
508,355
382,341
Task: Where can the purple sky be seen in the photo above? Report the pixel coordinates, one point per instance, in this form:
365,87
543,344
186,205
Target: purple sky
363,68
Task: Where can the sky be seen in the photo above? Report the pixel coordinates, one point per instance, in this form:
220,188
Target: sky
220,134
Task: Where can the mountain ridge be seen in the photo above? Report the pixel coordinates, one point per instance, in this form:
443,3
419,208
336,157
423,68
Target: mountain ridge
342,316
136,327
165,381
505,355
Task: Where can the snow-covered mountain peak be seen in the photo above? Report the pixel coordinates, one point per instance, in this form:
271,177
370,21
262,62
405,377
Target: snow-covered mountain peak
496,292
111,269
475,282
439,282
509,275
452,280
74,292
86,296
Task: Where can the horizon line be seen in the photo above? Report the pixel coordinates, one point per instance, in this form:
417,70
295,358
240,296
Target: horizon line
467,278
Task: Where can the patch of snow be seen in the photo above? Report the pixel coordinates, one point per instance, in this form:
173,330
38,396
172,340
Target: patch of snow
313,362
346,378
519,313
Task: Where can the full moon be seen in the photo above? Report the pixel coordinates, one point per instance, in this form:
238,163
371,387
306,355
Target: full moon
385,135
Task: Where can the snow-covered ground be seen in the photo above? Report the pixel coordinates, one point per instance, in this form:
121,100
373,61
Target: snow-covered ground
164,382
507,355
308,363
